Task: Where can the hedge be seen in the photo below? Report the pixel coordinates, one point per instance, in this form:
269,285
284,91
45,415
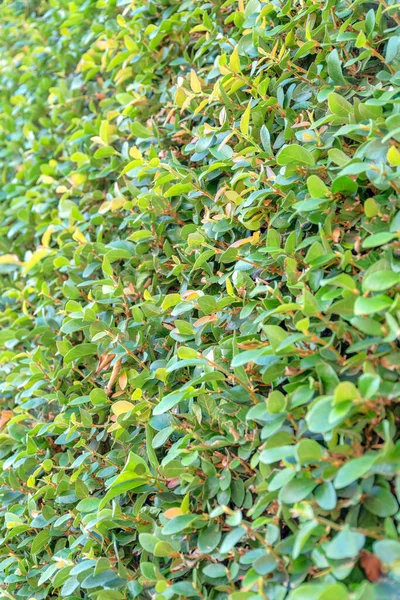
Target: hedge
199,307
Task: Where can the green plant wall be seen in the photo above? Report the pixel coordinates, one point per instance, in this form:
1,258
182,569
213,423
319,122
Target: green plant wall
199,300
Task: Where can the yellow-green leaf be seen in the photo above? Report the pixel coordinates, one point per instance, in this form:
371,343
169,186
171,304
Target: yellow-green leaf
234,61
121,407
393,156
36,258
9,259
245,120
195,82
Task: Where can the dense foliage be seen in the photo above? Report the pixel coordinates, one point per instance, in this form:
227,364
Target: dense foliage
200,266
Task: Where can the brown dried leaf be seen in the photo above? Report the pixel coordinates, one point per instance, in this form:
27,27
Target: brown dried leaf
204,320
372,566
113,377
123,380
103,363
6,415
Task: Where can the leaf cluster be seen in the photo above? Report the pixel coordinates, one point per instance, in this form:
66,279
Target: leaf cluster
199,299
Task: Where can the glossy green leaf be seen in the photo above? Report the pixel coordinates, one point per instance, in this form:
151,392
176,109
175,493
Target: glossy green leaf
294,154
353,470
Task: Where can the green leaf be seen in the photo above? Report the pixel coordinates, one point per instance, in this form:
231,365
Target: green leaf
294,154
318,591
80,351
346,544
325,495
353,470
303,536
307,451
328,377
142,234
178,189
104,152
209,538
187,353
316,187
36,258
276,402
231,539
378,239
133,483
169,401
140,131
371,208
40,541
393,49
207,304
234,61
388,551
343,280
381,280
296,490
88,505
245,120
135,469
381,502
339,106
178,524
170,300
148,542
338,157
370,306
344,185
335,68
393,155
214,571
318,417
368,384
164,550
276,335
345,391
265,564
271,455
105,579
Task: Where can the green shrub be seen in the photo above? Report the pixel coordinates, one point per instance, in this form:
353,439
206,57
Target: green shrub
199,258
